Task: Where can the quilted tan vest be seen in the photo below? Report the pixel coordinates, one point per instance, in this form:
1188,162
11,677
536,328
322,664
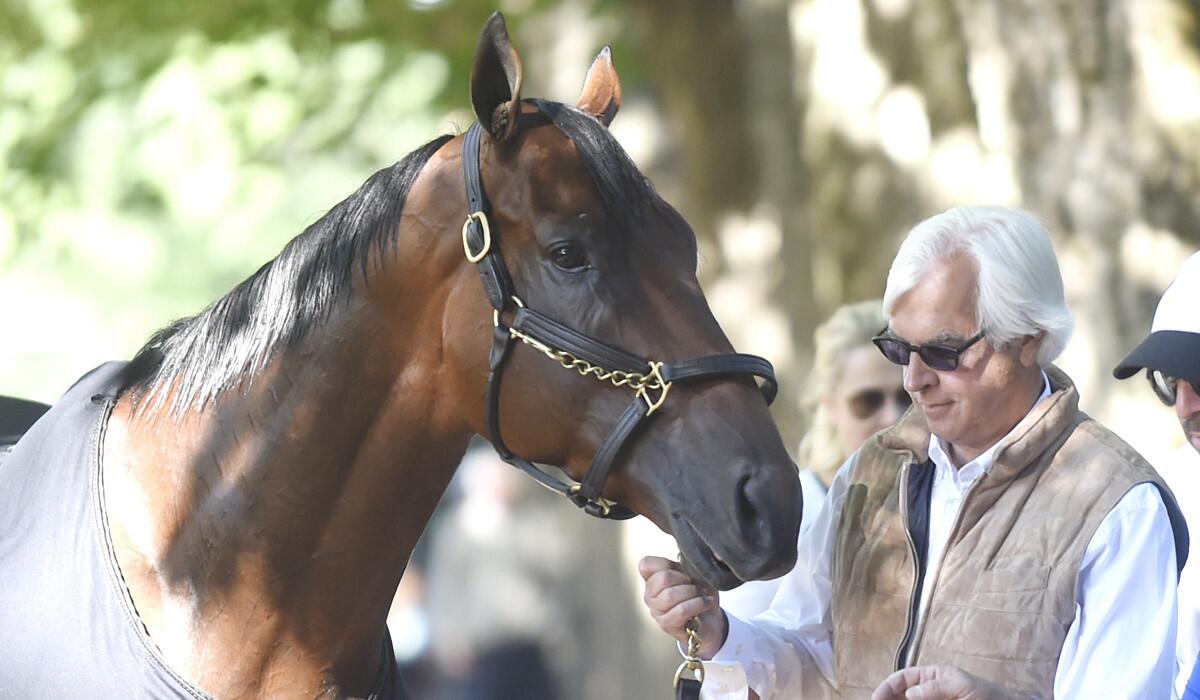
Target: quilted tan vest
1004,595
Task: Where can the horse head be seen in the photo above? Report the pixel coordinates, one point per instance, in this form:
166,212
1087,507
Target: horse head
596,269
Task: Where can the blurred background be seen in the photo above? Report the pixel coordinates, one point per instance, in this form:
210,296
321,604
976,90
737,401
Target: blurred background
153,154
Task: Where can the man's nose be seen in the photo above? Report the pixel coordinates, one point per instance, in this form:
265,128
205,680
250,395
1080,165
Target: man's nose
917,375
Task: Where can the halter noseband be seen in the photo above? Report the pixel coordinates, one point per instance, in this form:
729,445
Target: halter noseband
651,381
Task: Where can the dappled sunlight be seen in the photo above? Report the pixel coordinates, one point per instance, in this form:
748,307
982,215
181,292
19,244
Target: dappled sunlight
846,79
182,184
1152,256
8,235
741,297
640,131
60,24
1170,68
903,126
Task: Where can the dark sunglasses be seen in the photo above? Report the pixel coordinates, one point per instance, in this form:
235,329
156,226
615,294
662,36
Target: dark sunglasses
867,402
1166,387
935,355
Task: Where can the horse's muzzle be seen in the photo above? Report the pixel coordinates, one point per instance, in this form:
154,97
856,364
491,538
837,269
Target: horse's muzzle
752,537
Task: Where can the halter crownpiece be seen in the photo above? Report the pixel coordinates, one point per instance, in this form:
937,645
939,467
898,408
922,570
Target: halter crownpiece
650,380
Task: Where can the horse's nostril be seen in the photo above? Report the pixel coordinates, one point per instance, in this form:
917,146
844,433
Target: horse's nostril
767,506
745,508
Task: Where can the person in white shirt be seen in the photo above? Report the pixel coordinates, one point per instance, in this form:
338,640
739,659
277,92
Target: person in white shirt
995,543
1170,355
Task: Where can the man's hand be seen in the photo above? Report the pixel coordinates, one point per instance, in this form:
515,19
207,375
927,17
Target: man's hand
673,599
939,683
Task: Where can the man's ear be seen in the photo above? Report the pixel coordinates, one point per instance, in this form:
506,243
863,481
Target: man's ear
496,80
1029,347
601,95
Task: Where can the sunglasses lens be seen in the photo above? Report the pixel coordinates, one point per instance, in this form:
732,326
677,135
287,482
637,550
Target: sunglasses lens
939,358
1164,386
893,351
865,403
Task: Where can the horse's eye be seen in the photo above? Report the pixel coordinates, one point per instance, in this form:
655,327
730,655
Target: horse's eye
569,256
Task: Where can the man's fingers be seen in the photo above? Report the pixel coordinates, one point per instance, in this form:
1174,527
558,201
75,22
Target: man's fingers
902,683
678,615
892,687
929,690
674,595
648,566
669,602
936,683
662,580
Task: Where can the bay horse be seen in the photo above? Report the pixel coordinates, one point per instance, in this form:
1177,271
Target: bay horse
229,513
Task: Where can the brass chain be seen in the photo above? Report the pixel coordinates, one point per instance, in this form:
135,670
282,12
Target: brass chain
634,380
692,663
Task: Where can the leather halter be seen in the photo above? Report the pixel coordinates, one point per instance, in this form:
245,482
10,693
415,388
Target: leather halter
650,380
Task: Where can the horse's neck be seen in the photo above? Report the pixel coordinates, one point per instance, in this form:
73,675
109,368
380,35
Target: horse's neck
271,529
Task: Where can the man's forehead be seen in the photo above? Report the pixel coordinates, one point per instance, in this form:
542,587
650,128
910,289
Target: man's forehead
941,305
921,320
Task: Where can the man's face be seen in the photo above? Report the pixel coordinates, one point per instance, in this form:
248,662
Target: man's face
975,405
1187,407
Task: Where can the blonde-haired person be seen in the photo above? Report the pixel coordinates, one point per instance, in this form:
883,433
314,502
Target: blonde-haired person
852,393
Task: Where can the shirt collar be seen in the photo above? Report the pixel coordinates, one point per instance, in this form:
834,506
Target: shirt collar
940,455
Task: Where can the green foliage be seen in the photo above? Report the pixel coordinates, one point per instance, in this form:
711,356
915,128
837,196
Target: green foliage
175,146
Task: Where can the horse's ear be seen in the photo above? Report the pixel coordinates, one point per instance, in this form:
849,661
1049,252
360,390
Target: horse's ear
496,80
601,96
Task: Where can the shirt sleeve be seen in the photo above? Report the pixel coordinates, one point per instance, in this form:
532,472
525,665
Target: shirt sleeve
787,650
1122,642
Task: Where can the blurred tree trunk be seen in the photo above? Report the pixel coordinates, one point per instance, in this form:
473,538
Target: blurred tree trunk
774,112
1087,154
862,197
724,71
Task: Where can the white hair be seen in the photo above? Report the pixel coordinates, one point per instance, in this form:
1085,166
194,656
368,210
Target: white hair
1019,289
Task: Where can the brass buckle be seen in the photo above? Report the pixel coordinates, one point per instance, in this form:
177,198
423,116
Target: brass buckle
496,312
654,380
604,504
487,237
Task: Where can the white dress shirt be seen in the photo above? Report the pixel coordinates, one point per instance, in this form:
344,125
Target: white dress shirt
1121,644
1181,471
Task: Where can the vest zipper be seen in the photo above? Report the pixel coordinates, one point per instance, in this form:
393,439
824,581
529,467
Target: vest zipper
932,584
916,571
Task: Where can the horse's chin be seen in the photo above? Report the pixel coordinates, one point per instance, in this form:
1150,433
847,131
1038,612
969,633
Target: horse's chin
700,562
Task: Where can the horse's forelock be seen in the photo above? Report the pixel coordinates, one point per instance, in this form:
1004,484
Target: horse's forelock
625,193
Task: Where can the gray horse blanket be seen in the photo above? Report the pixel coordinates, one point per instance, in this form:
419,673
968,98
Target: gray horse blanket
68,628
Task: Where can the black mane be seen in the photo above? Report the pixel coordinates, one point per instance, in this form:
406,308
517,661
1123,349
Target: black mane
237,334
